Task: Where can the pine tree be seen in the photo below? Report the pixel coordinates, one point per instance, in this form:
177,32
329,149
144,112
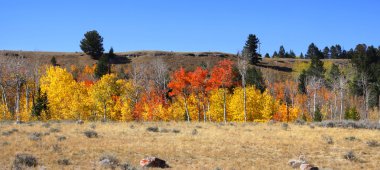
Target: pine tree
250,49
267,55
313,51
102,66
40,104
92,44
301,56
281,52
53,61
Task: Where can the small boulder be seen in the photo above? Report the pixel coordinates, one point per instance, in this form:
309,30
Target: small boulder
153,162
308,167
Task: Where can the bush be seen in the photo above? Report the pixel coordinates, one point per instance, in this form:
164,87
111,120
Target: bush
351,114
61,138
176,131
91,134
318,115
350,156
327,139
63,161
373,143
152,129
54,130
284,126
35,136
108,161
24,160
351,138
194,132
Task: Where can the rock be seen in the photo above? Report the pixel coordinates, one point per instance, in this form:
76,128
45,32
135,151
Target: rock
308,167
296,163
153,162
80,122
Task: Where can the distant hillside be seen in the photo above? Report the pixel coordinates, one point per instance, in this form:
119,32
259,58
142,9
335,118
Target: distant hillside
276,69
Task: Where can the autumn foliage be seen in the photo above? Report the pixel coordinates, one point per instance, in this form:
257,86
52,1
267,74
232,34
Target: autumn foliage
197,95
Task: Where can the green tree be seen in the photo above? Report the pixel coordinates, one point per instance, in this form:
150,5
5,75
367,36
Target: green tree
40,104
275,54
302,82
250,49
92,44
316,67
102,66
53,61
267,55
318,115
351,114
301,56
313,51
255,77
326,52
281,52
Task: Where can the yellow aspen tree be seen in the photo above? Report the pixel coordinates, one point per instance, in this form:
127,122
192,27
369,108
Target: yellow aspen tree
59,86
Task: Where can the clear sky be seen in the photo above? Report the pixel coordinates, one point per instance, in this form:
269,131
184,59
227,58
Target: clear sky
188,25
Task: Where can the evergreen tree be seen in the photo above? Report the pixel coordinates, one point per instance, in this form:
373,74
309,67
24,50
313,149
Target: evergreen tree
302,82
102,66
111,54
275,55
267,55
313,51
53,61
281,52
318,115
92,44
255,77
316,68
326,52
40,104
301,56
250,49
292,54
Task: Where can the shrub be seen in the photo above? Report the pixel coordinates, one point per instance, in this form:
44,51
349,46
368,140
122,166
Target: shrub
91,134
108,161
373,143
194,132
163,130
35,136
61,138
351,138
351,114
327,139
63,161
92,126
152,129
176,131
127,166
284,126
54,130
350,156
46,125
318,115
24,160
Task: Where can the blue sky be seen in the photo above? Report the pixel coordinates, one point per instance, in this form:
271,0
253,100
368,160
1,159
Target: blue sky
188,25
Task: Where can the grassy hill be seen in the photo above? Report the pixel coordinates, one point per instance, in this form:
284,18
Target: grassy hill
277,69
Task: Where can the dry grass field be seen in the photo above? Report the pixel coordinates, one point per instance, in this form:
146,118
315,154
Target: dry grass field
189,145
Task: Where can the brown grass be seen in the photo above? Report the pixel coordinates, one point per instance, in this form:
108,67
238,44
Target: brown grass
238,146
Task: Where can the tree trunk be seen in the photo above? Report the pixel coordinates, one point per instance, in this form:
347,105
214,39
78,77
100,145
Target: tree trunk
17,109
245,101
224,106
27,97
314,100
341,105
186,110
199,108
105,111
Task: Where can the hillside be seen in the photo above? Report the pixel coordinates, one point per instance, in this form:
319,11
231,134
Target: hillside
277,69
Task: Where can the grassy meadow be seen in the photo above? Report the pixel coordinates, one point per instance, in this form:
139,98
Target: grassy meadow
188,145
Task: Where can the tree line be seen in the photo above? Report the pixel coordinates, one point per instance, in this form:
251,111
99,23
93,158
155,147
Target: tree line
227,91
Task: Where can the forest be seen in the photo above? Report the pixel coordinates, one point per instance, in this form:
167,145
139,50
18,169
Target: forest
229,91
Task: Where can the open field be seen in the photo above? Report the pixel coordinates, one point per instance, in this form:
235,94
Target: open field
190,146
